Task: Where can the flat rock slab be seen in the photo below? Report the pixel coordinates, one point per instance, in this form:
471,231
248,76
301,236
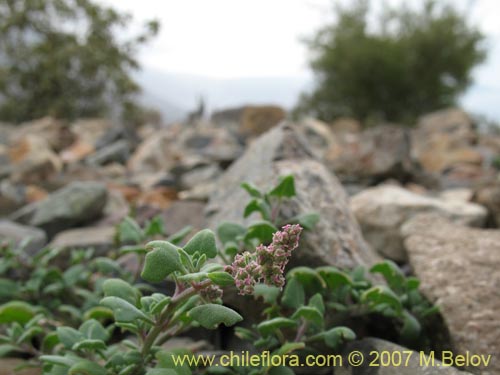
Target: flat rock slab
382,210
99,238
459,268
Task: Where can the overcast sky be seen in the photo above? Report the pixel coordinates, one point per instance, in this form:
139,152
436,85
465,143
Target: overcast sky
261,38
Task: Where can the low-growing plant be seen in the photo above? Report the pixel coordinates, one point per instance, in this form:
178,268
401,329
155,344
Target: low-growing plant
311,310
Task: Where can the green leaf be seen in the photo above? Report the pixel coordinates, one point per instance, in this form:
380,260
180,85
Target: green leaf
309,313
307,221
211,315
289,347
308,277
270,326
89,344
98,313
411,327
333,277
262,231
58,360
251,189
128,231
269,293
229,232
221,278
155,227
86,367
337,335
94,330
161,261
391,272
69,336
380,298
285,188
195,276
412,283
16,311
166,361
8,289
257,205
317,302
124,311
6,349
293,295
122,289
202,242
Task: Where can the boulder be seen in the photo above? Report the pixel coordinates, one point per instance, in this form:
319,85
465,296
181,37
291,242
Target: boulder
75,204
12,197
336,239
250,121
459,271
33,160
318,134
56,133
488,195
116,152
345,125
371,156
382,210
33,239
101,239
156,153
184,213
445,140
412,362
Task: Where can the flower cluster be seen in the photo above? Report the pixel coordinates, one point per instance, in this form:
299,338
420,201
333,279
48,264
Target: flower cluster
267,263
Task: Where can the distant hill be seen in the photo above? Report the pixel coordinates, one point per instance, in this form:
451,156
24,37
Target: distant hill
177,94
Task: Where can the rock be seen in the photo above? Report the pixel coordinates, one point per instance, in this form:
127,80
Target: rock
382,210
12,197
250,121
75,204
159,197
412,363
90,131
208,144
371,156
76,152
444,140
33,239
489,196
344,125
200,174
459,194
33,160
318,134
16,366
154,154
336,239
101,239
183,213
56,133
458,269
117,152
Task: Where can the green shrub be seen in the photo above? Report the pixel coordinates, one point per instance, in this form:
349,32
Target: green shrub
410,62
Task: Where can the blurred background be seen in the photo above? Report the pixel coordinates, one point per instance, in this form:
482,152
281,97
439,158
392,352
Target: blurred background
231,53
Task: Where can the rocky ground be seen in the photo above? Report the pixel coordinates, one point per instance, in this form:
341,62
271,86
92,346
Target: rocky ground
426,197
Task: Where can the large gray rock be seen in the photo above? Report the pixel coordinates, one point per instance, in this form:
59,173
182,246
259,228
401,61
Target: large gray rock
382,210
75,204
33,239
117,152
371,156
459,271
412,363
101,239
336,240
